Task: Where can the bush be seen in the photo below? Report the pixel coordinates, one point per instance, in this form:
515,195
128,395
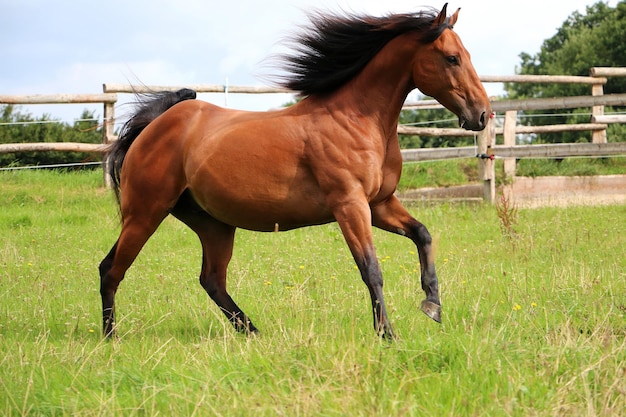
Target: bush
19,127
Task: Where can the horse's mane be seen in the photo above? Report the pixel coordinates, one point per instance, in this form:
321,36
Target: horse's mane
333,48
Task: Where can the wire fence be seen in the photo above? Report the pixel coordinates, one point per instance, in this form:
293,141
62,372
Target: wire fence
44,121
521,116
108,123
52,121
498,118
51,166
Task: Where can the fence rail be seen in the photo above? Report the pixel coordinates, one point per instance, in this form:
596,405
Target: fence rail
199,88
52,146
485,139
557,150
59,98
453,132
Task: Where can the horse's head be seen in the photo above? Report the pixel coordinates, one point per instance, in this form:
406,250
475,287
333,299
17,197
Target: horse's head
443,70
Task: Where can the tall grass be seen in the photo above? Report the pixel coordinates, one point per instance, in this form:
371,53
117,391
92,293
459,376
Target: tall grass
531,327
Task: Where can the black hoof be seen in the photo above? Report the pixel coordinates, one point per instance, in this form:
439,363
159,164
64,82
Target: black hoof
432,310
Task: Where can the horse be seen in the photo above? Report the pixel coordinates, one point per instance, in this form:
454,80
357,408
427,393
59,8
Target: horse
333,156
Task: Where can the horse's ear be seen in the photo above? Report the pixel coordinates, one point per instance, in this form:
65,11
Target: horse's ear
454,17
441,17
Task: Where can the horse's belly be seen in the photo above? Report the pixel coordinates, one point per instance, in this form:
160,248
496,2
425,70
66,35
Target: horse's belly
260,200
263,213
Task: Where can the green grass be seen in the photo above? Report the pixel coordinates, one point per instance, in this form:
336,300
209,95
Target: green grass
463,171
571,167
438,173
534,324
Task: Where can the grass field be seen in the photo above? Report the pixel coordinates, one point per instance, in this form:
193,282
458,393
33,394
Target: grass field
534,320
462,171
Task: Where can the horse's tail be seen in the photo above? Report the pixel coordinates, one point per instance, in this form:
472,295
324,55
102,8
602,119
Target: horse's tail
148,107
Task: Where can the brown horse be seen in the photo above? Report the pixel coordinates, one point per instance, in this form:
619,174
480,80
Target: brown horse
333,156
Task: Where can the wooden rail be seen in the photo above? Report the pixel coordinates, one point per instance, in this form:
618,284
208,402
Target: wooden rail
453,132
52,146
607,72
616,118
59,98
556,150
199,88
485,139
560,102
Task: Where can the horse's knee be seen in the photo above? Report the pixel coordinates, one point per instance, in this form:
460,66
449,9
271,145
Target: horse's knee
213,287
370,269
373,279
108,284
205,283
107,262
420,234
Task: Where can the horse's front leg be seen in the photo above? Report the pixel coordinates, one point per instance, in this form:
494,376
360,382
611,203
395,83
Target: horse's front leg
355,222
390,215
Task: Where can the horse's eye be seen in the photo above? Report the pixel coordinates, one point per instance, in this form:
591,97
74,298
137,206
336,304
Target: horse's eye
452,60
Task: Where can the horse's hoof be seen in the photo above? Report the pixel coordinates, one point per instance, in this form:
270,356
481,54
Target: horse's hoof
432,310
387,334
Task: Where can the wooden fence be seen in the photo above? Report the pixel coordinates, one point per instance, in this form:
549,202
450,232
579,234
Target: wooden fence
485,148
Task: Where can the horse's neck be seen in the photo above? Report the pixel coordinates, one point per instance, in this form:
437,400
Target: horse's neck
383,85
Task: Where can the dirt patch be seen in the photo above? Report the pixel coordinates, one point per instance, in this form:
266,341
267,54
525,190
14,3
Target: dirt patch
470,191
568,191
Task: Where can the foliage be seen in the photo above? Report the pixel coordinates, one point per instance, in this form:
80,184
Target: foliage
441,118
508,214
594,39
536,329
19,127
571,167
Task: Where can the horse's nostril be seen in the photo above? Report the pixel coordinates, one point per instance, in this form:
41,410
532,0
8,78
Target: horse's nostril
483,122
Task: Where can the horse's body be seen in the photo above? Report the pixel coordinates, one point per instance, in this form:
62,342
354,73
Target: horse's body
292,190
333,156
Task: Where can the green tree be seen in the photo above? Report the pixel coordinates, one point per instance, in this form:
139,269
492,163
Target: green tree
593,39
441,118
20,127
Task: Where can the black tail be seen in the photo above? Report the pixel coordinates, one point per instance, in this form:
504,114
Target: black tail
148,107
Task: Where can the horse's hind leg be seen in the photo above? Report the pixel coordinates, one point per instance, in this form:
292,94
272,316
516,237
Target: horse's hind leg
217,241
135,232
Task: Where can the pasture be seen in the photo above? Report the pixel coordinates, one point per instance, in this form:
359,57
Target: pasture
534,321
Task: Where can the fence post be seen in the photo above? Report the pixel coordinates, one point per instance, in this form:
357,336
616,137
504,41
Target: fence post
597,136
510,121
486,167
108,132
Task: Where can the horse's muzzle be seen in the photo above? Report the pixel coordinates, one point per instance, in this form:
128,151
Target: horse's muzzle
475,124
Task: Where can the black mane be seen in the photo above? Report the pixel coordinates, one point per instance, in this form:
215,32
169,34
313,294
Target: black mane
334,48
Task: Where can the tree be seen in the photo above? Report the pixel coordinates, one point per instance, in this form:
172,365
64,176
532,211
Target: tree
19,127
594,39
433,118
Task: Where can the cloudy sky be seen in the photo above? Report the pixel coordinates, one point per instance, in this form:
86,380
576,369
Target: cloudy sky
65,46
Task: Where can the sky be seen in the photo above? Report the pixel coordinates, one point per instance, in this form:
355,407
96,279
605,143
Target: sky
67,46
